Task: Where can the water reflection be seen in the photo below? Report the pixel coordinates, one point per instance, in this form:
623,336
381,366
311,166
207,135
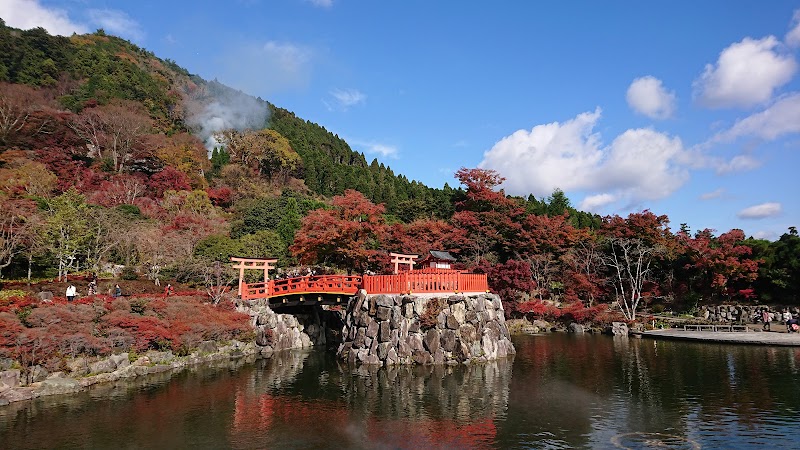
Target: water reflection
595,392
368,407
564,392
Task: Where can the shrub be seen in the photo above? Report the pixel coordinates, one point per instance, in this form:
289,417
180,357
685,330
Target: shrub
430,313
102,325
6,294
129,273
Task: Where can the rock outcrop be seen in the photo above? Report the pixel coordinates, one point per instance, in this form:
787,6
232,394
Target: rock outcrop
394,329
275,332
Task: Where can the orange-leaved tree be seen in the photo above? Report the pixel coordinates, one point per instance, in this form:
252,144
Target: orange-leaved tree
348,236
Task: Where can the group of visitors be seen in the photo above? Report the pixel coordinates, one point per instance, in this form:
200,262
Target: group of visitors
791,321
91,289
296,273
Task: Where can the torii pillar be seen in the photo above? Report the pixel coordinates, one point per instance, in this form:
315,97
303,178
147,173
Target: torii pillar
399,258
264,264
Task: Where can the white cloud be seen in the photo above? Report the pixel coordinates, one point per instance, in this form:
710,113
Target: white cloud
639,164
375,148
739,163
781,118
768,235
713,194
746,74
118,23
263,69
761,211
593,203
348,97
793,36
647,96
27,14
548,156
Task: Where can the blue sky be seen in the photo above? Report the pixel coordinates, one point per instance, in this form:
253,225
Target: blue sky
686,108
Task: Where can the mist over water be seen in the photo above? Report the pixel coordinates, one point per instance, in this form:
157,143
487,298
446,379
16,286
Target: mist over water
214,107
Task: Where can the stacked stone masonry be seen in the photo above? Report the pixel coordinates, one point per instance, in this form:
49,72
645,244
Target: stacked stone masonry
388,330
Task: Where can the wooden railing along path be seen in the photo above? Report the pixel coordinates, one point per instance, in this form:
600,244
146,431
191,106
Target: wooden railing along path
320,284
419,282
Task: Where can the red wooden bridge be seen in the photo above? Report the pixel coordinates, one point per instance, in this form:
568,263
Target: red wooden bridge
336,289
308,290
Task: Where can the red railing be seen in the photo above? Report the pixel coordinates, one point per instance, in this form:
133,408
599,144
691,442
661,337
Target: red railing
333,284
427,281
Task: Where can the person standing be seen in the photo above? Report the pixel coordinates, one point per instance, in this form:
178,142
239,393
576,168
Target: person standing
767,318
117,291
71,292
169,290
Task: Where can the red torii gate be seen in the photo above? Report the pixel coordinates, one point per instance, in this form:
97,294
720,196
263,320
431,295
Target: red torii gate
264,264
399,258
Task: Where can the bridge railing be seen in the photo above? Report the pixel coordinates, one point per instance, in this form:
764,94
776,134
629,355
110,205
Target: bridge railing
336,284
403,283
339,284
429,282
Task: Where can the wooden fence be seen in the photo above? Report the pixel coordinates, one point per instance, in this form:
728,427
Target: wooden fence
424,282
427,281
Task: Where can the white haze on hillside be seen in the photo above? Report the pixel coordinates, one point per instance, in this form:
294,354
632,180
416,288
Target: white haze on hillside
217,107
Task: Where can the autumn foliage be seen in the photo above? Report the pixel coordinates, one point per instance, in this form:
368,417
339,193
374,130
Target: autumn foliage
33,332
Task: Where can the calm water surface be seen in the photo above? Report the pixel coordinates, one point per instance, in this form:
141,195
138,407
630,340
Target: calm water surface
560,391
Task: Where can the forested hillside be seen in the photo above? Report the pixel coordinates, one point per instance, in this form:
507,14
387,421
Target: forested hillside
112,156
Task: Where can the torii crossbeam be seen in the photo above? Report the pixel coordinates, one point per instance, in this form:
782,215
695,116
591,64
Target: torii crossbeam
264,264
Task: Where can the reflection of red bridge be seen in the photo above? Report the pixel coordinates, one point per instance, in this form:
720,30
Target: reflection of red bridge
334,289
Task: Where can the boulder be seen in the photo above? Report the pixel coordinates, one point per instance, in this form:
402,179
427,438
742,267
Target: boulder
383,313
391,357
383,350
120,361
448,340
384,301
55,386
9,378
385,332
37,374
161,357
451,322
16,394
207,347
45,296
397,317
360,338
102,366
431,340
467,332
372,328
619,329
575,328
263,337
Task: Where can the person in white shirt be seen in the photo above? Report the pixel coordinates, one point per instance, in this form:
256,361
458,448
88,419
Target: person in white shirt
71,292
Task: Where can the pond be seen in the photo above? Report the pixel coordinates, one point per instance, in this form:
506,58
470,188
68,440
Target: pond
559,391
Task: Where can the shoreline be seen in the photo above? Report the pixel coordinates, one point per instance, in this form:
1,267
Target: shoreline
150,363
765,338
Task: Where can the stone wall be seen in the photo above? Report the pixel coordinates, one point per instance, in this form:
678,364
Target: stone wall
740,313
394,329
312,326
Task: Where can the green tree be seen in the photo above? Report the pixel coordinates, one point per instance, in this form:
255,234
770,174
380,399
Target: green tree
68,231
265,244
290,221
